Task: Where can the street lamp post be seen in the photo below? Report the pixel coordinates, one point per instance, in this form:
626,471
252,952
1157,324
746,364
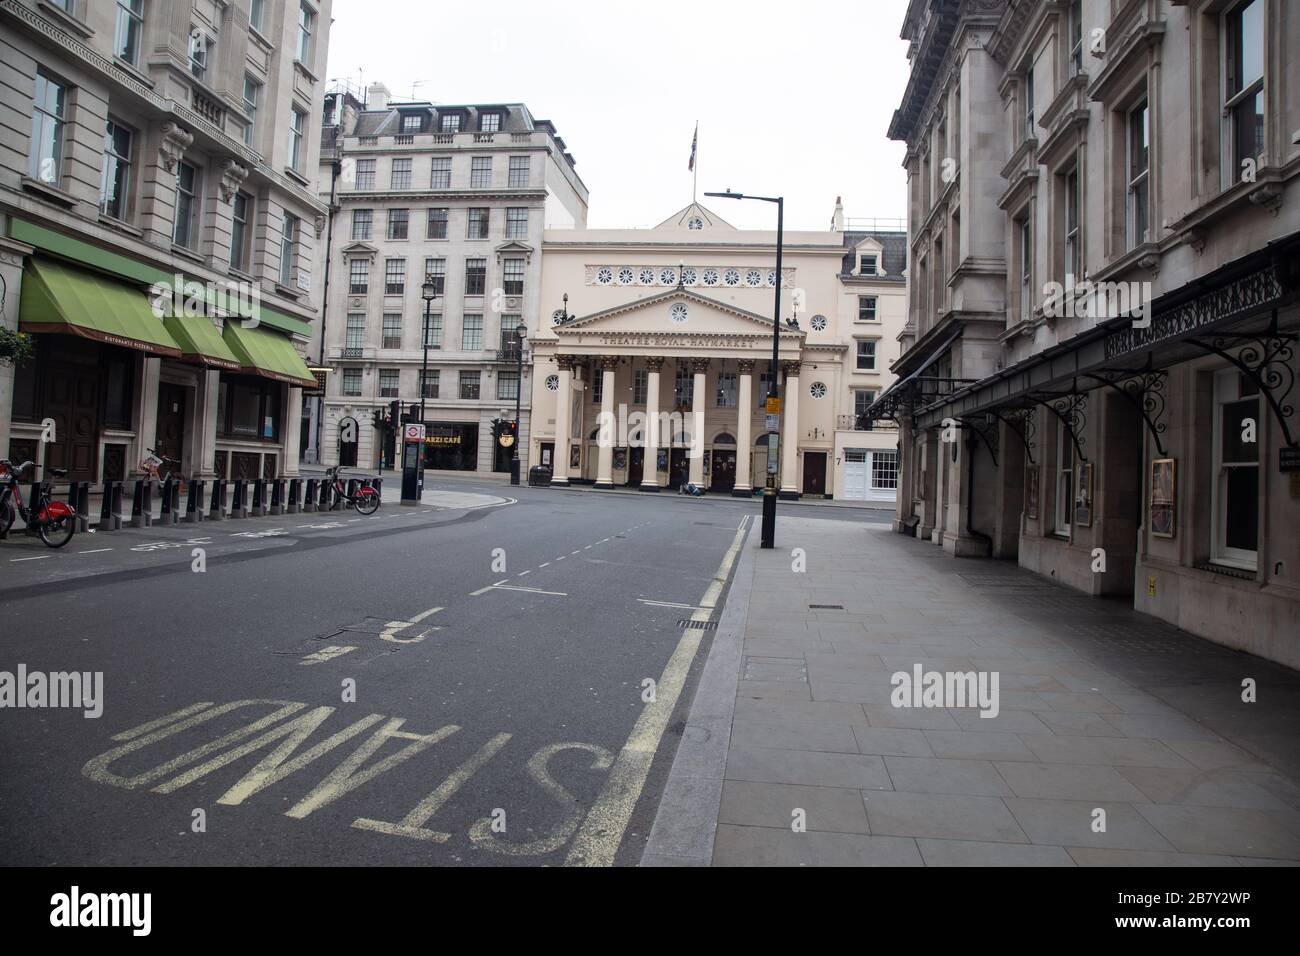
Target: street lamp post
521,333
429,292
768,537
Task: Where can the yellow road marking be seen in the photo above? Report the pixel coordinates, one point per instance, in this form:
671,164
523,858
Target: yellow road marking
602,831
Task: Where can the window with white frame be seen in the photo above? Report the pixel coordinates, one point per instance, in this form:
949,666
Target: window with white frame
129,26
395,277
365,174
306,25
115,177
640,386
489,122
358,276
392,330
1137,192
363,221
355,333
475,276
436,226
476,223
1073,249
288,248
252,96
389,382
869,265
684,387
517,222
866,355
726,396
399,223
1236,494
519,170
48,106
449,123
884,470
412,123
1064,477
241,232
200,50
435,271
1029,102
1025,239
862,399
480,172
257,15
187,185
469,385
433,331
400,178
1244,89
513,276
429,381
471,333
440,173
507,385
352,381
867,308
1076,37
297,121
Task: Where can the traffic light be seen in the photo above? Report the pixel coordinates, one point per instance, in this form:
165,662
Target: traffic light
379,418
394,412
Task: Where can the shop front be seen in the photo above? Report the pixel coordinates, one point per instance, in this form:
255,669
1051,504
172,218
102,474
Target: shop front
451,446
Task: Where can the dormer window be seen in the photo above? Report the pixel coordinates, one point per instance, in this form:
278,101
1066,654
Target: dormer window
449,123
412,123
869,266
489,122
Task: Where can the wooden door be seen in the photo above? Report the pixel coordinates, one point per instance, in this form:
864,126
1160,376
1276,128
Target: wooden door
814,473
169,440
724,471
72,403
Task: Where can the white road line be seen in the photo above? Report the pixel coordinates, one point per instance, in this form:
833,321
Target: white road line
544,564
601,832
329,653
587,548
522,573
39,557
561,557
507,587
688,607
571,553
96,551
487,589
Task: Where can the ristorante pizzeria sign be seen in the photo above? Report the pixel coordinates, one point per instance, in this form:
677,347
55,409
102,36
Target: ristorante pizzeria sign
1249,293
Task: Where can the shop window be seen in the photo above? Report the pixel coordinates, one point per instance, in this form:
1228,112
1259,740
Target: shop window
248,409
1237,429
1064,478
117,390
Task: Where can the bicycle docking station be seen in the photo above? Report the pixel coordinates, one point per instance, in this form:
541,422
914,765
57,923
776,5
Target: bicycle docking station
239,500
217,508
110,508
194,502
171,501
310,495
259,498
142,504
79,501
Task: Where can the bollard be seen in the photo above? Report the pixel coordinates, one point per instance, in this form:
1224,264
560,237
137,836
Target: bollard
295,496
110,508
238,501
326,493
142,504
171,501
259,497
353,485
194,501
310,495
277,496
217,507
79,500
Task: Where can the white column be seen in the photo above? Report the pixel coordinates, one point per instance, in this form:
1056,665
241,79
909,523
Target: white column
206,392
608,427
744,441
700,367
563,414
292,432
790,433
146,410
650,471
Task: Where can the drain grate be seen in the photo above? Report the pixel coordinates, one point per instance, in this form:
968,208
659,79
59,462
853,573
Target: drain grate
697,625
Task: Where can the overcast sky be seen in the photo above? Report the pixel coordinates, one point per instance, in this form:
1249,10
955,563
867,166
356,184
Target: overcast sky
791,98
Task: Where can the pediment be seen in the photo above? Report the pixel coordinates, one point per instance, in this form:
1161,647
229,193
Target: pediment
360,249
680,312
702,217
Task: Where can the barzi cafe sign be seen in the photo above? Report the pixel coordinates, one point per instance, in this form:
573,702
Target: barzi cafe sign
1249,293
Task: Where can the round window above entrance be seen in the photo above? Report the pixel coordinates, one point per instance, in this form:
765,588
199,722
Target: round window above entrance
604,275
817,389
552,383
679,313
625,276
710,276
819,323
689,277
695,223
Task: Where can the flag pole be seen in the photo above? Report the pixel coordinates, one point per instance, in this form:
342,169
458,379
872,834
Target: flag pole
695,165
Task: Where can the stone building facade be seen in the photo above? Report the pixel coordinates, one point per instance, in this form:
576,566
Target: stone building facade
1099,358
158,145
460,194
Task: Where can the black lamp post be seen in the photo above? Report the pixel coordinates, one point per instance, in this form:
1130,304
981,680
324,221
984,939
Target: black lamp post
521,333
773,388
429,292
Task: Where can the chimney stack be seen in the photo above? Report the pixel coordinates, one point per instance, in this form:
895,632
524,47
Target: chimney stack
377,97
837,218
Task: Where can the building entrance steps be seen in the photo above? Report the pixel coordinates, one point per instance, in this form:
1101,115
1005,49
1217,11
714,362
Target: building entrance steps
796,751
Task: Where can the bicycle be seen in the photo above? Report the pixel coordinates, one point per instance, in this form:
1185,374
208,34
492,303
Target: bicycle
54,521
151,462
365,501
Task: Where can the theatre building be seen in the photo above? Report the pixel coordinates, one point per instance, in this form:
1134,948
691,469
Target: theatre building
157,148
666,333
1099,360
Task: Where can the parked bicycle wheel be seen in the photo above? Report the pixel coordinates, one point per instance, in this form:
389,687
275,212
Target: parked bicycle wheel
58,531
367,501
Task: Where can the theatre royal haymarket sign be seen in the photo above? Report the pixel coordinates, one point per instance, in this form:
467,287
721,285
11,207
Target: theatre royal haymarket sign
1250,293
669,340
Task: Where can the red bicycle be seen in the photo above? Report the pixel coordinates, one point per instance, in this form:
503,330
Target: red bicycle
366,499
54,521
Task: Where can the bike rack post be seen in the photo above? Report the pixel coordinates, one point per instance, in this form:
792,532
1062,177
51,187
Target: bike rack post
353,485
142,504
295,496
217,507
110,508
79,499
194,501
259,497
238,501
326,493
378,485
310,495
171,500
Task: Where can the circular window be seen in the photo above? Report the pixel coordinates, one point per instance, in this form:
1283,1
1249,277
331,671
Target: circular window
771,278
710,276
647,277
668,276
552,383
625,276
731,277
753,278
695,223
689,277
819,322
679,313
604,275
817,389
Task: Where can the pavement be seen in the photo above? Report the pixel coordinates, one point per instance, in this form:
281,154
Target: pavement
495,677
1118,740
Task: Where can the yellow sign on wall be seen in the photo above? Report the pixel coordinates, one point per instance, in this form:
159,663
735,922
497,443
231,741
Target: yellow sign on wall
774,406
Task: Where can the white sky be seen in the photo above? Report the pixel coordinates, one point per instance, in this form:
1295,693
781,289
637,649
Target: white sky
792,98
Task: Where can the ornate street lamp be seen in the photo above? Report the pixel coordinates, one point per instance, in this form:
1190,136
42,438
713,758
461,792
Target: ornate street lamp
521,333
429,292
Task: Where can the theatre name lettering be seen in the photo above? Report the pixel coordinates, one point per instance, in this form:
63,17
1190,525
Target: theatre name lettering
678,341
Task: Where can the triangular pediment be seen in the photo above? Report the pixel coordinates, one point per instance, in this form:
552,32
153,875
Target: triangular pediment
360,249
514,247
679,311
695,217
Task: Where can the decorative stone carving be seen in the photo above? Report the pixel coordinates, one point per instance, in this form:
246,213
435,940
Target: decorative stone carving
566,363
791,366
175,141
746,366
654,363
699,365
608,363
320,225
233,174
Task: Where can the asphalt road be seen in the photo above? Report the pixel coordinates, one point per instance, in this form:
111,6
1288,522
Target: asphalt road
422,687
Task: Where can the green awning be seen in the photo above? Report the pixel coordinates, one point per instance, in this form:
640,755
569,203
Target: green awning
201,343
64,299
265,353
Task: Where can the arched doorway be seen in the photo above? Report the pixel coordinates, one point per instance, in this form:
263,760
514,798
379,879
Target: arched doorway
349,433
722,473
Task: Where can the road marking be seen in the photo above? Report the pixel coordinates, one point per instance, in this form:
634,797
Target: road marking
602,831
39,557
544,564
687,607
96,551
571,553
508,587
488,588
389,633
327,654
522,573
561,557
587,548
